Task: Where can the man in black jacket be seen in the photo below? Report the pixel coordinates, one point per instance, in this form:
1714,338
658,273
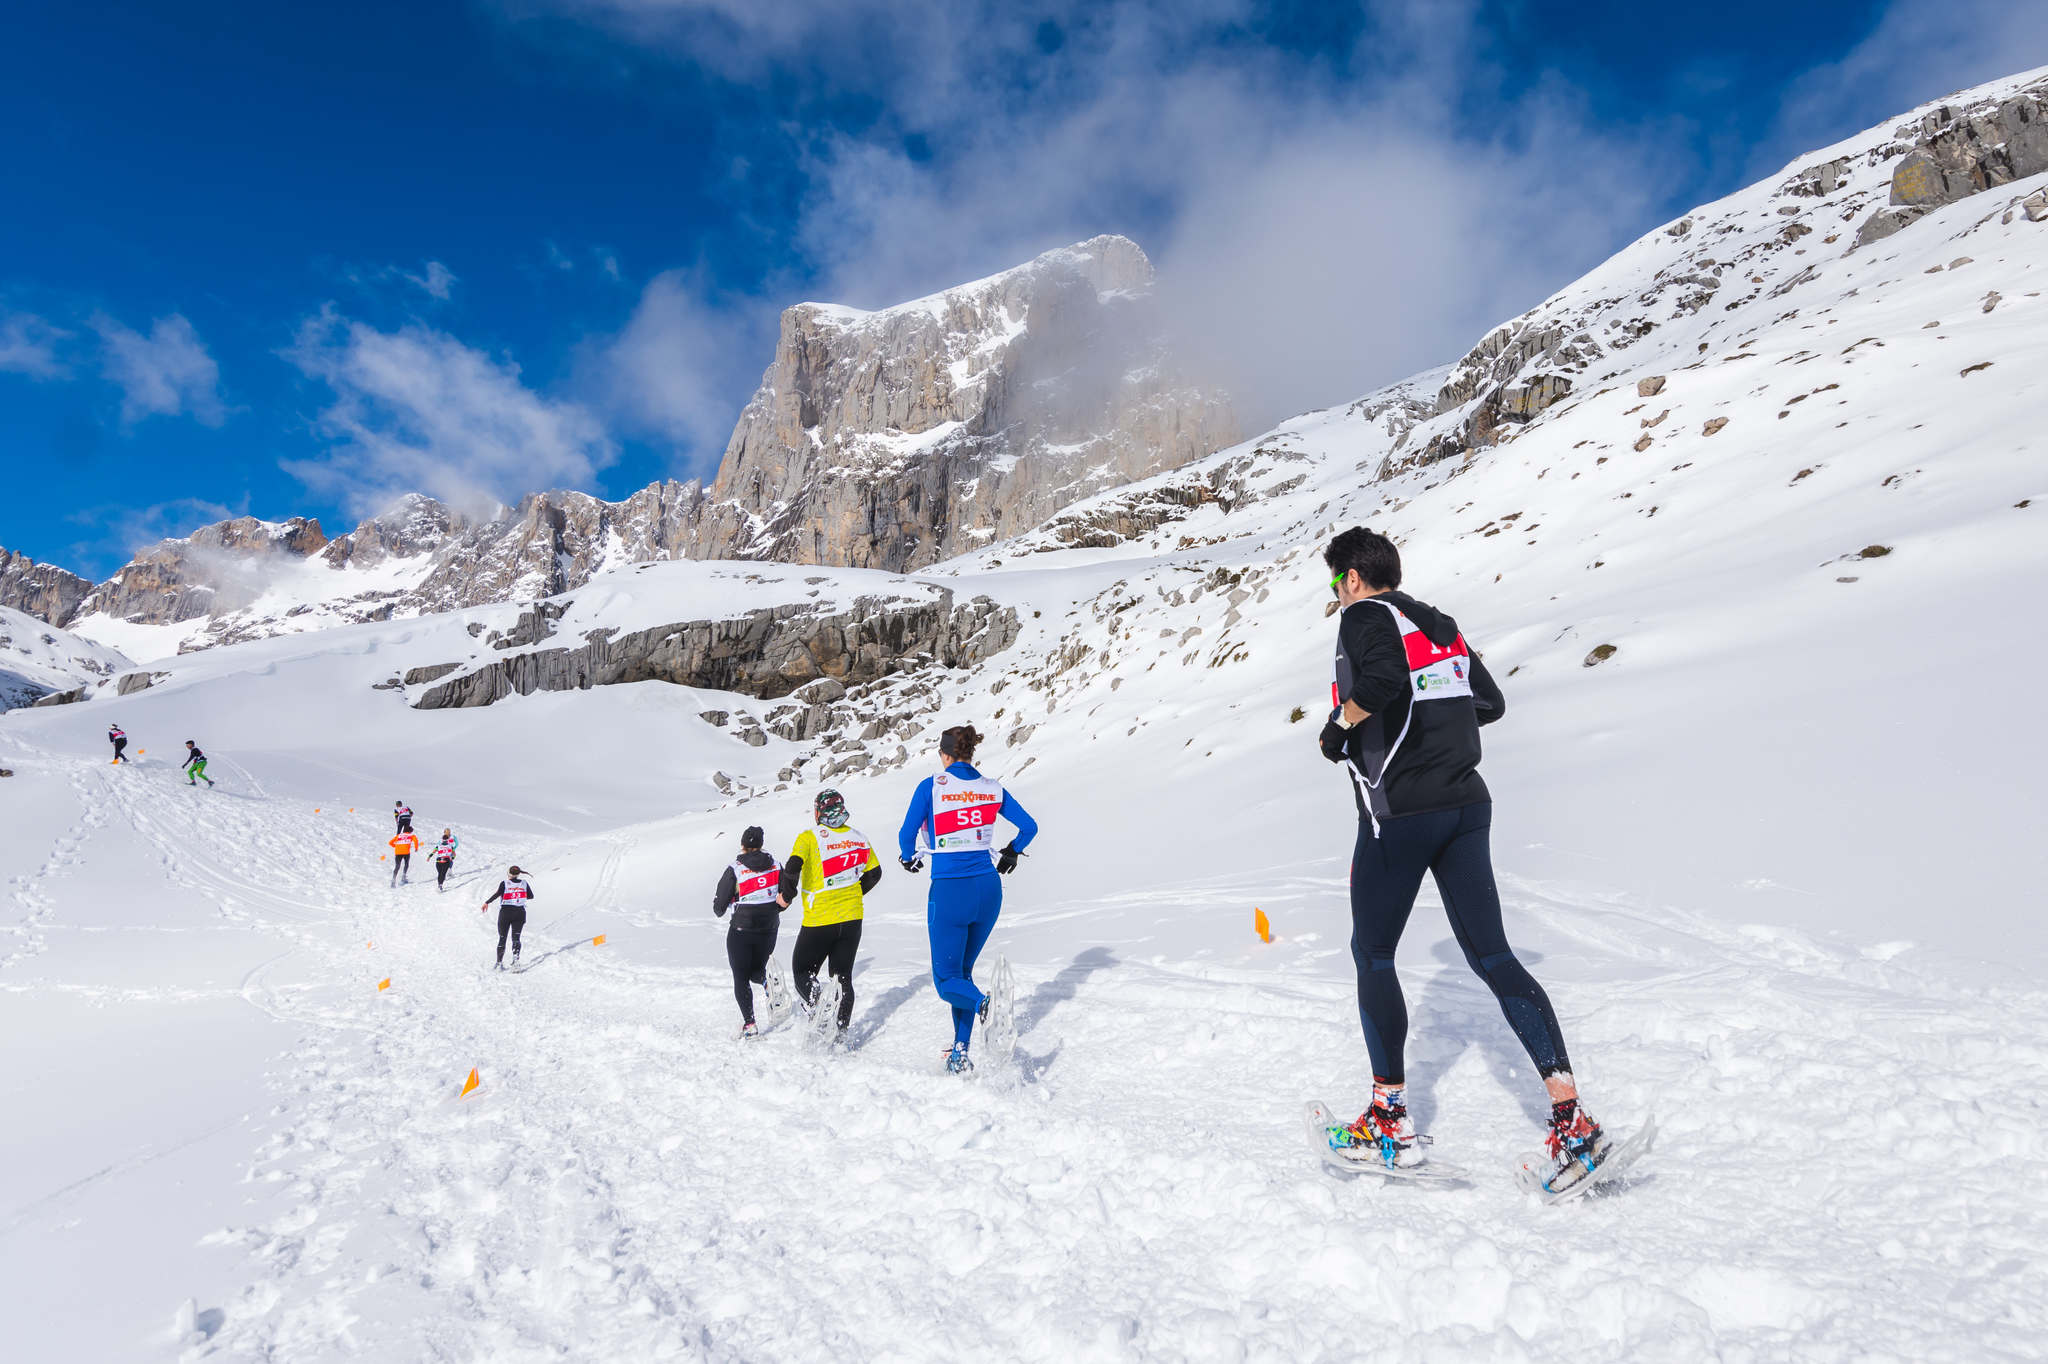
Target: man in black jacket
751,889
1407,700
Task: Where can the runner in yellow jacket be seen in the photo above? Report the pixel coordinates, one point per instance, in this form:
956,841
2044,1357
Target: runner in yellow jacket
833,867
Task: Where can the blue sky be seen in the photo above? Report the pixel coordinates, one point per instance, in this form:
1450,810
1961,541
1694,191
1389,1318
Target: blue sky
296,259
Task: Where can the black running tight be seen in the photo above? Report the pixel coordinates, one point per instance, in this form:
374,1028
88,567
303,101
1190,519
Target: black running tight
814,945
1386,872
749,953
510,920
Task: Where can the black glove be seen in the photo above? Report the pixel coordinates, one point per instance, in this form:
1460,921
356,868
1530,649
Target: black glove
912,864
1006,860
1333,739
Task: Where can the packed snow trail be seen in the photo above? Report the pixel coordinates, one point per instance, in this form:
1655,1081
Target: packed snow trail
1836,1174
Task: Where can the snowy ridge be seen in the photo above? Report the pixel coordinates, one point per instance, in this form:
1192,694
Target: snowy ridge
37,660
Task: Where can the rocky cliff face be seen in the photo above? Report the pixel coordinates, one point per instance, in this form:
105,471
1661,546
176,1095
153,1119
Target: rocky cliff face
44,591
897,438
767,653
216,569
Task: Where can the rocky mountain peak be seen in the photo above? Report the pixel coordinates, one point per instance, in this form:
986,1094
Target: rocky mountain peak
414,525
44,591
897,437
217,568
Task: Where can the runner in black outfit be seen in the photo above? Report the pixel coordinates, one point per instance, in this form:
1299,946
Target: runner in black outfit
444,858
1409,698
402,813
513,894
119,740
749,888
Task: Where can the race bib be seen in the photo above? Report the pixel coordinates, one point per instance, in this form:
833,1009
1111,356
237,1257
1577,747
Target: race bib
755,887
964,812
841,858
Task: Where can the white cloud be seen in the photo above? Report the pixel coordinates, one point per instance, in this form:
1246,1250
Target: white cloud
1320,227
165,373
435,280
28,345
417,410
684,363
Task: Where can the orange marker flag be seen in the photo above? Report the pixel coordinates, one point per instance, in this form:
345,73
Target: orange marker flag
383,856
470,1085
316,809
1262,924
140,751
597,941
384,984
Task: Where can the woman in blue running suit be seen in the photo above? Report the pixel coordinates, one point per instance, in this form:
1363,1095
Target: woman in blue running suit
954,815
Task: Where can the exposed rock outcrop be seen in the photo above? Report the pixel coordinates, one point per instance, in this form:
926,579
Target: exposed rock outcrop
44,591
768,653
1960,150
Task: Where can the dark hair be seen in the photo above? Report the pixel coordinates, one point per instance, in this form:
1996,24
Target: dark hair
1373,555
753,838
959,743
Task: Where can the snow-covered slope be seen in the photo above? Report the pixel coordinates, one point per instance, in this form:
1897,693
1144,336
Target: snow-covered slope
37,660
1760,829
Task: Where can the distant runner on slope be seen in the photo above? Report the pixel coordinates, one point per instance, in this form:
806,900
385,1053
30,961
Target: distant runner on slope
402,849
513,895
751,888
1409,698
195,765
954,814
444,858
833,866
119,740
402,814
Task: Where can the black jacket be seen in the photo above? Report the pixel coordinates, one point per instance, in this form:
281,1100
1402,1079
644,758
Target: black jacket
1415,752
746,918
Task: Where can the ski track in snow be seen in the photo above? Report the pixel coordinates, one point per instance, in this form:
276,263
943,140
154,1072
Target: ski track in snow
1834,1177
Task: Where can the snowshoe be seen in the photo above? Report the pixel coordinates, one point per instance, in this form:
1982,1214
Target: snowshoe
748,1032
823,1024
781,999
1579,1157
958,1062
1360,1148
999,1014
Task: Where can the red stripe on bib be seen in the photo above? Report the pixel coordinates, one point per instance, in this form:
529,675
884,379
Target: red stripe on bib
1422,651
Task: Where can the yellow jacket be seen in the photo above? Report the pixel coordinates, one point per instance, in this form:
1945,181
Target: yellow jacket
834,861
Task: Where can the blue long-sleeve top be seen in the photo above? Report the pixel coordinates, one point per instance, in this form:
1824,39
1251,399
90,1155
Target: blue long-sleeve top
969,862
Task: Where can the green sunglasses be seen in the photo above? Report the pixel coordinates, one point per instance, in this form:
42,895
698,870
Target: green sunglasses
1338,582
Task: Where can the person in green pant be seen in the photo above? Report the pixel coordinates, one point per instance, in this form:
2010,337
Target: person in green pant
195,765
